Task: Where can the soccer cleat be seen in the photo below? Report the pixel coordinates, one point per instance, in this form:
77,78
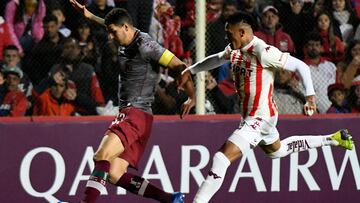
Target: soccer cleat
344,139
177,197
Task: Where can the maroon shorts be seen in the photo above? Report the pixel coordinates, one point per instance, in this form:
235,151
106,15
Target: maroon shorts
133,127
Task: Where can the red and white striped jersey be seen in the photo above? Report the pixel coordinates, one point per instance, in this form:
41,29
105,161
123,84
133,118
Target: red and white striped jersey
253,68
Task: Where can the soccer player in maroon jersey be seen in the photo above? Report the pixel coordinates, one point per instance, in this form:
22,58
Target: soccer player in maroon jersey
253,64
125,140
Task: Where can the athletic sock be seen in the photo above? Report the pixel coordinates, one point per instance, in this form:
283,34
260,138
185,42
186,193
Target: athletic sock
140,186
97,181
214,180
301,143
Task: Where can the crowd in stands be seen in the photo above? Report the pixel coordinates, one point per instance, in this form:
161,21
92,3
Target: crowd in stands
53,62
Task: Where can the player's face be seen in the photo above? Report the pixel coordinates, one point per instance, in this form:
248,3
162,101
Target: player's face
118,34
234,33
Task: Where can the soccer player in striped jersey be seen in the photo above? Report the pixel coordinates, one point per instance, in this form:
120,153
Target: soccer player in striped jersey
253,64
125,140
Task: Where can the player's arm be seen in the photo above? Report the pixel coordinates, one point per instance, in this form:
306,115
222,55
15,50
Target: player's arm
83,10
209,63
184,81
293,64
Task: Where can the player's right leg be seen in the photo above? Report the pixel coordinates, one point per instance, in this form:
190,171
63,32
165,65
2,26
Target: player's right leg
109,148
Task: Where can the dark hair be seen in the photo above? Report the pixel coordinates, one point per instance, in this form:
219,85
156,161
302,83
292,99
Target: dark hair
118,16
314,36
229,3
240,16
11,47
50,18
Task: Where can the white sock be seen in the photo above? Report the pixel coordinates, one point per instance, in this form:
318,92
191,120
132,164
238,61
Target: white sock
214,180
301,143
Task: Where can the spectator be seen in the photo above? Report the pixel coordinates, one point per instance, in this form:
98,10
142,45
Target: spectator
287,93
89,94
5,36
12,60
214,9
141,12
356,5
186,10
167,99
323,72
88,43
14,102
100,9
349,68
25,18
171,28
354,95
222,96
344,17
109,72
251,7
215,31
337,95
2,86
318,6
215,37
46,53
297,22
271,31
156,29
57,100
333,47
59,13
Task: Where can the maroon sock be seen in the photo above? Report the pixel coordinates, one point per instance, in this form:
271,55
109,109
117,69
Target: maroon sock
96,181
142,187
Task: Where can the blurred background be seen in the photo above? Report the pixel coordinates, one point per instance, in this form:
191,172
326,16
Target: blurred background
48,50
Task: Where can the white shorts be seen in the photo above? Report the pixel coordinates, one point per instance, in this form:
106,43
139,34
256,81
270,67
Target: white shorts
254,131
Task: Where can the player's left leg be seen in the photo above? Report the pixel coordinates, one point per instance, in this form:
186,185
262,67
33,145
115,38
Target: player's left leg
109,148
292,144
138,185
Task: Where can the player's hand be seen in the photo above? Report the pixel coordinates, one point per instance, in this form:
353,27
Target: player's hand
186,107
310,105
81,8
182,79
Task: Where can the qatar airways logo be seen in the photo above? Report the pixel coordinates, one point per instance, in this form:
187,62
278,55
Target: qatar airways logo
189,172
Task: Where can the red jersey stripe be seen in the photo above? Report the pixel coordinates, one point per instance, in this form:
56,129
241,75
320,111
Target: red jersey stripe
258,87
247,85
271,105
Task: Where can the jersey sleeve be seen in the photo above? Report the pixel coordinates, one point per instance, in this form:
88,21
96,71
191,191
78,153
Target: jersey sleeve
153,51
273,57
